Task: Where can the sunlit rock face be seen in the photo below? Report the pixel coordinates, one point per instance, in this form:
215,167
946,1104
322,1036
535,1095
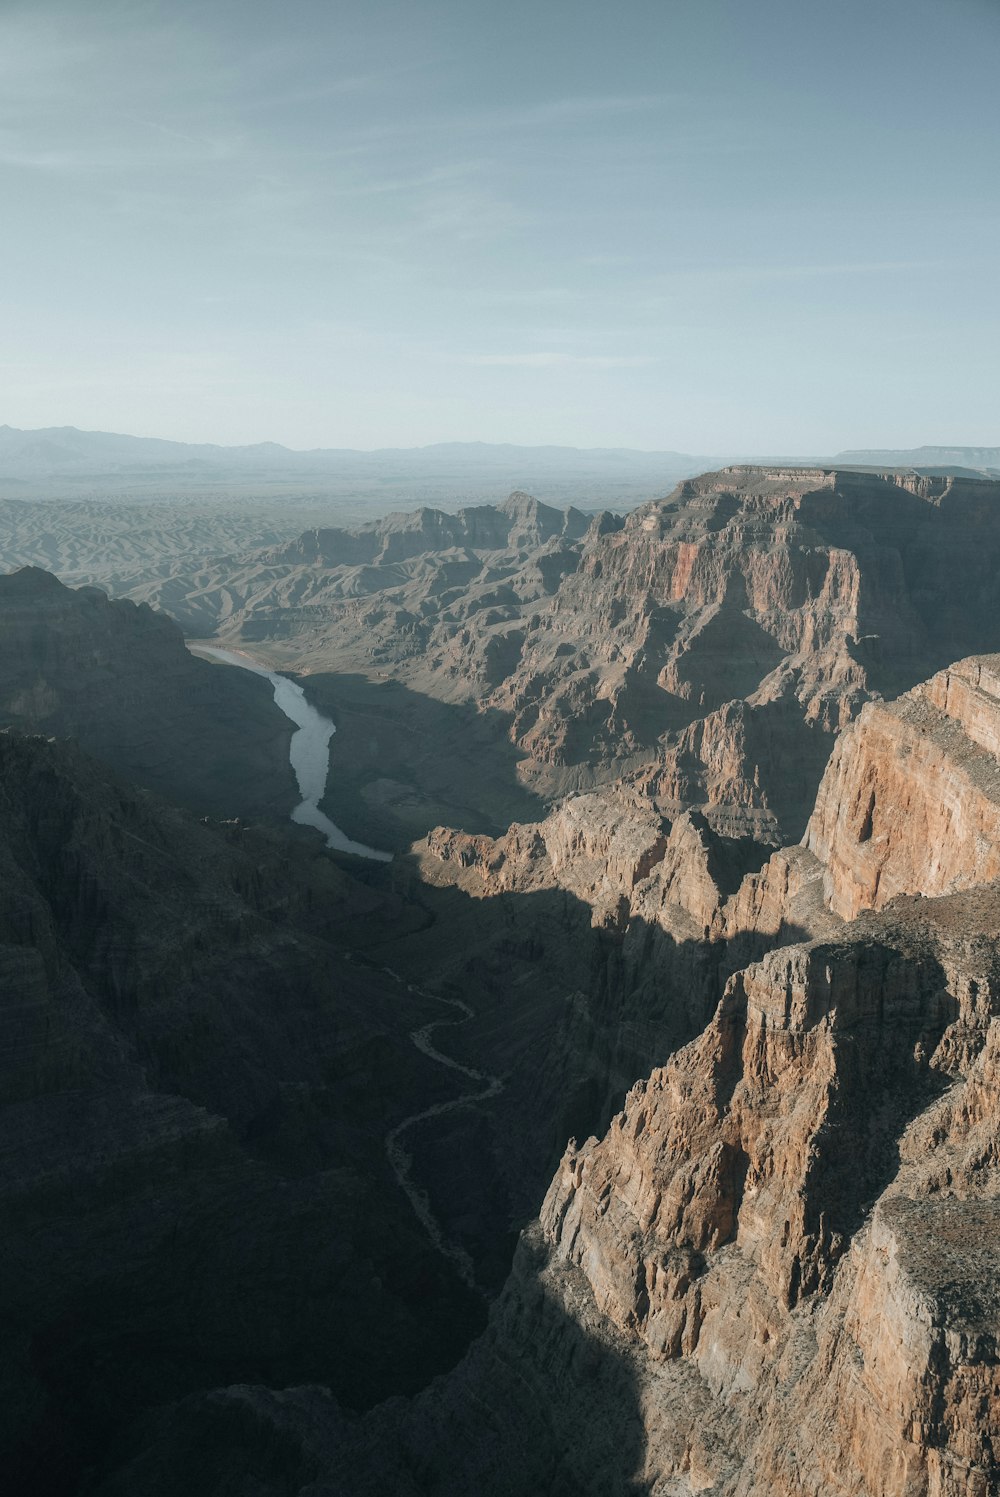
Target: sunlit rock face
776,1271
910,803
708,647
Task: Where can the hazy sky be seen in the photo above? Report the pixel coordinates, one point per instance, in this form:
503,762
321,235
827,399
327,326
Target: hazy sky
769,225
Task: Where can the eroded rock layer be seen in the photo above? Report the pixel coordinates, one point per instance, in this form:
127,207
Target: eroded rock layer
709,646
771,1269
910,803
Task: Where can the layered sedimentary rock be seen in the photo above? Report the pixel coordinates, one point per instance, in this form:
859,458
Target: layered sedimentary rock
597,942
775,1274
799,1207
911,800
750,1199
708,647
117,677
772,1271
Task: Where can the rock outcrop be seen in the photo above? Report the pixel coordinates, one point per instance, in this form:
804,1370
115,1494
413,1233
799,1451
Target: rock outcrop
910,803
772,1269
776,1271
775,1274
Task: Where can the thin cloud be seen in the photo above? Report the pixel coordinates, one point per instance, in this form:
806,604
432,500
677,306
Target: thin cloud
574,109
737,273
552,360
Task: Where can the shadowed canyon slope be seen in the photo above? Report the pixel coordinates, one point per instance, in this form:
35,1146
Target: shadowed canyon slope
118,678
777,1271
707,648
197,1082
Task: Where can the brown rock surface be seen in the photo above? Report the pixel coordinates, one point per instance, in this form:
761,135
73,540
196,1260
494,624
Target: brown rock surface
708,647
774,1273
911,800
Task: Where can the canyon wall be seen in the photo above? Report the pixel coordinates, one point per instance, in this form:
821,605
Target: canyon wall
117,677
707,648
911,800
775,1273
198,1070
770,1268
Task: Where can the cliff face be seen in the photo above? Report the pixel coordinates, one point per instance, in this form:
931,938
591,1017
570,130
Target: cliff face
708,647
753,1213
119,679
911,800
799,1208
776,1273
724,634
772,1273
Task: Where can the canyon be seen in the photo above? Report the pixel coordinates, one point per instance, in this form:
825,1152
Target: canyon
706,648
775,1272
634,1130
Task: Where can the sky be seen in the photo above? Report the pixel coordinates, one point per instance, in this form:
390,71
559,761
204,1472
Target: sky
757,226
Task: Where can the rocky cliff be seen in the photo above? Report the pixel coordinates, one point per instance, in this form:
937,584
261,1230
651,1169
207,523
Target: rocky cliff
798,1208
118,678
707,648
764,1269
910,803
775,1273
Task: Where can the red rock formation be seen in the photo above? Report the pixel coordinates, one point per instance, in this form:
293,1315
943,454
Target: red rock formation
790,1226
910,802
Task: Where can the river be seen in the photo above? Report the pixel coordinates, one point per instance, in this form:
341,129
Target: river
399,1158
308,753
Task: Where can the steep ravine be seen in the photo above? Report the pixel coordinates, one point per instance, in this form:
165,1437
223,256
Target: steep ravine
196,1086
709,646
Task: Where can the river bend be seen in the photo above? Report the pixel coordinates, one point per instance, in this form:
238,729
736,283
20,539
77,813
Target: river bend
308,753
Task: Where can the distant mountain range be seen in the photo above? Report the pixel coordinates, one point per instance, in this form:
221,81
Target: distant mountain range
976,459
61,460
61,448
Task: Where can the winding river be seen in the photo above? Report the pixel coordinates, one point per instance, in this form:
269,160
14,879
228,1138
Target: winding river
401,1162
309,751
309,755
